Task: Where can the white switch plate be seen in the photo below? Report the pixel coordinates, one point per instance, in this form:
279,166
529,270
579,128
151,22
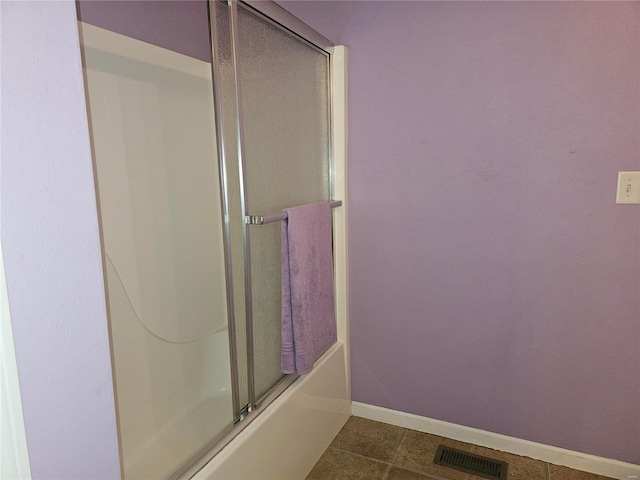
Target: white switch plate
628,191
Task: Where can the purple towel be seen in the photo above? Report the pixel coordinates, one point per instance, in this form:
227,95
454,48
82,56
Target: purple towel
308,313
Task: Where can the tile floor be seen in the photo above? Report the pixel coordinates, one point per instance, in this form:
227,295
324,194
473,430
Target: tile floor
368,450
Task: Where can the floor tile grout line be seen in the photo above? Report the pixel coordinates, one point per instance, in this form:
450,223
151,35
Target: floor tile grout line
358,454
408,469
395,454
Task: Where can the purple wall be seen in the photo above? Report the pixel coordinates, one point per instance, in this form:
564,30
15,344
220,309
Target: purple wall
178,25
494,282
51,247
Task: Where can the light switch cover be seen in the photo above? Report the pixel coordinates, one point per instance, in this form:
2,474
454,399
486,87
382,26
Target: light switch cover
628,191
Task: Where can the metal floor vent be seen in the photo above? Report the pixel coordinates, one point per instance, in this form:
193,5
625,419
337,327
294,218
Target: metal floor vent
469,463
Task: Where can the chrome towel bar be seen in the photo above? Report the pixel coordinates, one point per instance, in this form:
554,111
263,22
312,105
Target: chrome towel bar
277,217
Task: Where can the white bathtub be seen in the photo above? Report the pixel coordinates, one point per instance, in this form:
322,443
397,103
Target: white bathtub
287,439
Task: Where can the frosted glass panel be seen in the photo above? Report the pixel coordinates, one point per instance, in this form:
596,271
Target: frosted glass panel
284,93
284,86
152,121
229,106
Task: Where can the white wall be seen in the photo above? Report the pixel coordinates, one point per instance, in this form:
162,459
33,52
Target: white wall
52,247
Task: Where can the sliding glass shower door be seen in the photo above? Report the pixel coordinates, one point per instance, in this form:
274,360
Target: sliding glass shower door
153,131
185,150
272,88
284,108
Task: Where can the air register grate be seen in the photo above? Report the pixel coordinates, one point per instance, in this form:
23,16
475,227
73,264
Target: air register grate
469,463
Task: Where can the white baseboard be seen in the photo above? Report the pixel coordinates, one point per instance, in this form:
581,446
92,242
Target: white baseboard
496,441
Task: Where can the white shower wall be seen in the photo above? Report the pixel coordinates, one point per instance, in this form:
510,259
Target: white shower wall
153,132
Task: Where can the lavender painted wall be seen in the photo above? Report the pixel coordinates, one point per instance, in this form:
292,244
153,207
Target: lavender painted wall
494,282
510,300
178,25
52,247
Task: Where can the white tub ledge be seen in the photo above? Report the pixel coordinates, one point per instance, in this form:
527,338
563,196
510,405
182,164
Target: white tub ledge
286,440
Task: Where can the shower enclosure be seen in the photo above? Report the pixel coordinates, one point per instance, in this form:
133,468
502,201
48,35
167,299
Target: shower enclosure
186,148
